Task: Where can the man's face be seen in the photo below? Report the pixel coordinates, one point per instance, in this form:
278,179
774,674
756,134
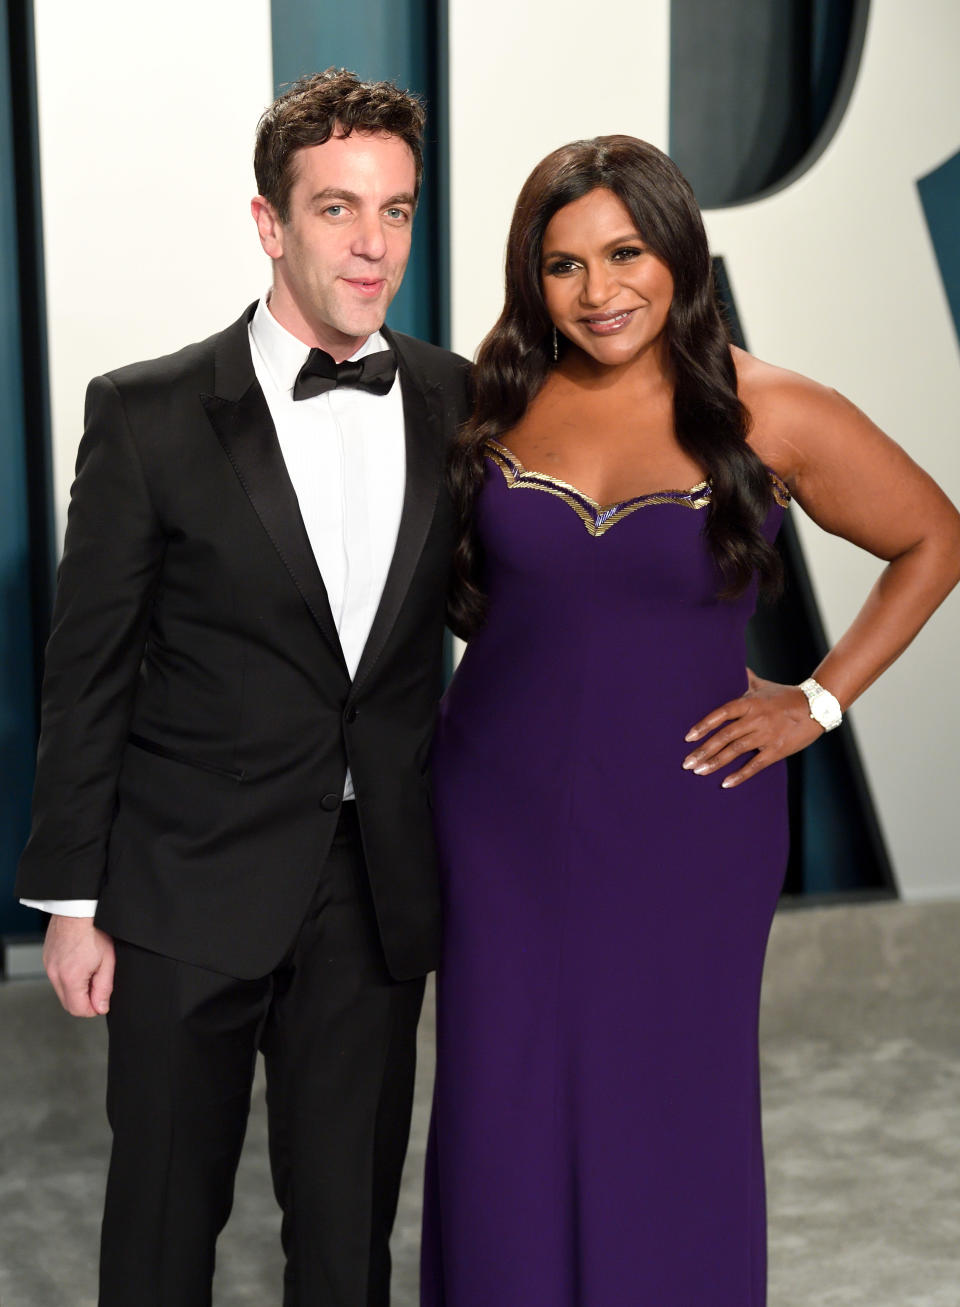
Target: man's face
340,256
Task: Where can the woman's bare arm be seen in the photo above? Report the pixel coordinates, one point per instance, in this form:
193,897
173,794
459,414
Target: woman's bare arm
857,483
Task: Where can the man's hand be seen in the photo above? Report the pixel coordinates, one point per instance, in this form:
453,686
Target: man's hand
79,959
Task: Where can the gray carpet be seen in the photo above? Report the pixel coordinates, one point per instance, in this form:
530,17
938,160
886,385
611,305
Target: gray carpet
861,1064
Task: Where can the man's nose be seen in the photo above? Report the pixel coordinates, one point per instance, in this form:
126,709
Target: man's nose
369,241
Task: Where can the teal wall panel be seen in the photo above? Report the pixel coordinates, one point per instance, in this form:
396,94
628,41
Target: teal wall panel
940,197
17,714
400,41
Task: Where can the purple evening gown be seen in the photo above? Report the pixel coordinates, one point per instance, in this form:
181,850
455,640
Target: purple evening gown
596,1129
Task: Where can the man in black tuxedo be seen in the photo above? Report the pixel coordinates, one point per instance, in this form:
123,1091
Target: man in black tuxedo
240,690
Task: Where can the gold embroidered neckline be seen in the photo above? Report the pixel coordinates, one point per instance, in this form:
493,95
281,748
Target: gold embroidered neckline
596,517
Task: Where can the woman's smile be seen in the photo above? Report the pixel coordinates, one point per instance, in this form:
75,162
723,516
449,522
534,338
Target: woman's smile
607,324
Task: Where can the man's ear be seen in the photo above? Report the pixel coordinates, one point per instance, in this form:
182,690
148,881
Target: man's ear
269,226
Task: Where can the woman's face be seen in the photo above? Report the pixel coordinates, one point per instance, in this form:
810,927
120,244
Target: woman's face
604,289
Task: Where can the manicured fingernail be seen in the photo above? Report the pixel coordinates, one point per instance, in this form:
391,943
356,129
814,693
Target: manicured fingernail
691,735
699,771
688,763
727,784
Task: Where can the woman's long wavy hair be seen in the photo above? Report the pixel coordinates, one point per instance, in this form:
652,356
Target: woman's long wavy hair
711,423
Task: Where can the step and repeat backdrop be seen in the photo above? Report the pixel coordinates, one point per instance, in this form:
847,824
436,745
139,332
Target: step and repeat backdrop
145,143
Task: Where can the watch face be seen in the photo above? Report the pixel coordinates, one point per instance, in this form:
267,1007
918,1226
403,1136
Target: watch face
826,711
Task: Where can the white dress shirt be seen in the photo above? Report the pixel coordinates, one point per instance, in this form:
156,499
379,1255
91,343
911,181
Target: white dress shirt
345,455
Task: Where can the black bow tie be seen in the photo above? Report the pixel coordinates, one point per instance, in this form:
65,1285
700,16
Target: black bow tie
319,374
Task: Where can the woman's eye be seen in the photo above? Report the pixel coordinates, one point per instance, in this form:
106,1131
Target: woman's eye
627,252
560,267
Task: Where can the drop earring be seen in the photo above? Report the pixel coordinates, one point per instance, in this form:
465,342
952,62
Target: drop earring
554,344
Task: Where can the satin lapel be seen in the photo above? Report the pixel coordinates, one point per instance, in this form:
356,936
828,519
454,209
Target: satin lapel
424,455
240,417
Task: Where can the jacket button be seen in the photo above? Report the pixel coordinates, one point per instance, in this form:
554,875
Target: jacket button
330,802
352,713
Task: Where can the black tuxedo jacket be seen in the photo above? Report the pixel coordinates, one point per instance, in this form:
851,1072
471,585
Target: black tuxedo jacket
198,717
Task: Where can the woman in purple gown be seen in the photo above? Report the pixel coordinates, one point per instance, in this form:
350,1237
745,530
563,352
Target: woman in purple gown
608,777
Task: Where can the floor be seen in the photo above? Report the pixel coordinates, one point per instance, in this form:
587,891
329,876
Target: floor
861,1065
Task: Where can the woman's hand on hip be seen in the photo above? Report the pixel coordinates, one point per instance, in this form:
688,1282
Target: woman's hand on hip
770,721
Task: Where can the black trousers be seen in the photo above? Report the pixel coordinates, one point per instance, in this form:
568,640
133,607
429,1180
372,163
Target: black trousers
339,1042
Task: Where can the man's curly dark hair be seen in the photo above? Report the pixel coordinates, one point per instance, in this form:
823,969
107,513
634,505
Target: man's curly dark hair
314,108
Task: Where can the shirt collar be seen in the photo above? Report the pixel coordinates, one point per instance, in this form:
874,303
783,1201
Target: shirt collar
284,355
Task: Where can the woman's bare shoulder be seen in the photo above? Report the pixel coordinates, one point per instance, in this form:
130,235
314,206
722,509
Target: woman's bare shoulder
765,386
785,409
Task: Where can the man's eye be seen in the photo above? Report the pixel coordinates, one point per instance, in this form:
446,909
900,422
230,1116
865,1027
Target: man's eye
334,210
398,215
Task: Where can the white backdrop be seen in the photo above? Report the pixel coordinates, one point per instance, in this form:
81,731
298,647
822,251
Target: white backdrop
147,120
146,142
834,277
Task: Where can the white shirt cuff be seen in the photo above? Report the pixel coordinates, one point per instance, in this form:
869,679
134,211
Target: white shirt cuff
64,907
